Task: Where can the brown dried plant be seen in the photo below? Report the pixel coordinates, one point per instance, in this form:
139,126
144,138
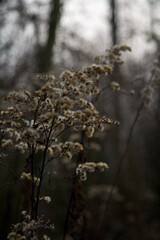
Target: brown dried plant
34,123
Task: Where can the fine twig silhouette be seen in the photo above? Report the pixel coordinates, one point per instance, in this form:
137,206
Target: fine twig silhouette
109,199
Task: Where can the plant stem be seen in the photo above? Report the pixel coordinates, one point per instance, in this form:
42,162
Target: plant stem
79,159
108,201
33,184
42,170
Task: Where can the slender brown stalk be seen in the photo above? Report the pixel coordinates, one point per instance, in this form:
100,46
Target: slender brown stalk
72,192
42,170
32,197
108,201
33,184
68,209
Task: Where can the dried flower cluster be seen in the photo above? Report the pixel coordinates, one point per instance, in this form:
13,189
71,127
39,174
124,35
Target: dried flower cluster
26,230
113,55
82,169
115,86
29,177
58,105
47,199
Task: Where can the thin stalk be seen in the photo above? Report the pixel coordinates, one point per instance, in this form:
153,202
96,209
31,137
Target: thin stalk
108,201
33,184
32,197
42,170
68,209
72,193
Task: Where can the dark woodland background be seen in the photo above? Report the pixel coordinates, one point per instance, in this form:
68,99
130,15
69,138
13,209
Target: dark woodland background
35,39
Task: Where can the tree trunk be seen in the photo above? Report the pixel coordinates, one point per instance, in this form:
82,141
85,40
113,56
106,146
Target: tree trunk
113,21
46,53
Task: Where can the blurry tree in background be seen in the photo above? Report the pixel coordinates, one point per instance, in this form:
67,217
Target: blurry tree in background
28,34
114,21
46,52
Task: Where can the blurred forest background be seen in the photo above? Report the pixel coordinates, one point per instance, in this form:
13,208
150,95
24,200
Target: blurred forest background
50,36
